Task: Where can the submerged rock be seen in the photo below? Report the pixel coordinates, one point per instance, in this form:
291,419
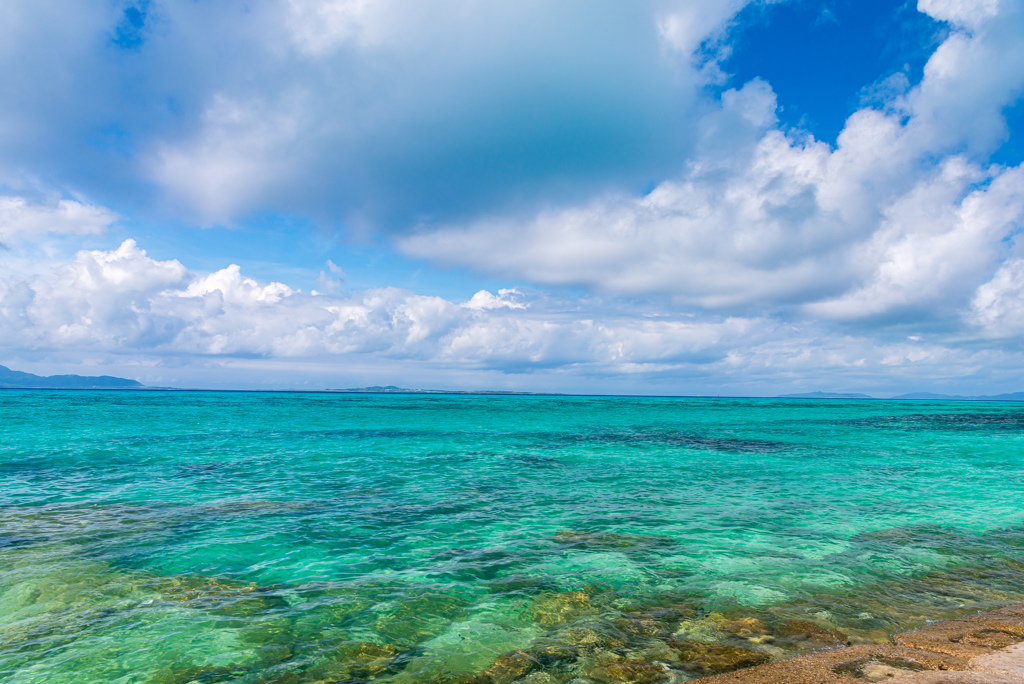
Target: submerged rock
588,638
629,672
707,659
202,673
562,608
643,625
511,666
359,660
540,677
420,618
709,629
609,540
219,597
749,628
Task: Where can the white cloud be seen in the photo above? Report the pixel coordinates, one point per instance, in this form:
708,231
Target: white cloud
243,149
320,26
123,301
903,217
968,13
934,244
122,304
998,305
386,111
21,219
766,256
486,300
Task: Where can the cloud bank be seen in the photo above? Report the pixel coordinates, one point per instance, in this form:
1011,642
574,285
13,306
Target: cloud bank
120,306
652,227
374,114
899,223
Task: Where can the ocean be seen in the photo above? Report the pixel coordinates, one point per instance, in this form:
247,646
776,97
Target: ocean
177,537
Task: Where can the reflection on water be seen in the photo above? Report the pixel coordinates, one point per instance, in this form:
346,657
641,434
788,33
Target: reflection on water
501,548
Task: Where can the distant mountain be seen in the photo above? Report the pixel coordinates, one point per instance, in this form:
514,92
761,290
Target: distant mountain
1012,396
826,395
12,379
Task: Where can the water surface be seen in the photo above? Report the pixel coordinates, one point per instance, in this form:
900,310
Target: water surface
165,538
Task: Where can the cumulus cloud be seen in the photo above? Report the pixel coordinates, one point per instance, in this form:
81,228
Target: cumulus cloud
123,304
522,140
506,298
903,218
998,305
124,301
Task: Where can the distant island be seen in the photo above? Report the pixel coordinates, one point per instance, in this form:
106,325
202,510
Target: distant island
391,389
12,379
825,395
1012,396
919,396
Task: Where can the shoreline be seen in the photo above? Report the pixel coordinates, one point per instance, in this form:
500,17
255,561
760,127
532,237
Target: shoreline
984,648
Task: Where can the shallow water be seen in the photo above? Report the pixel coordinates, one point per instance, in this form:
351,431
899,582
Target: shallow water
166,538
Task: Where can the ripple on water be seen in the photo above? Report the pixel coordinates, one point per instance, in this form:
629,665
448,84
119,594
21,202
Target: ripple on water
488,541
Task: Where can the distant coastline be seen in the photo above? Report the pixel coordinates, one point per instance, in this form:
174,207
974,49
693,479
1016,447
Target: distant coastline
12,379
391,389
912,396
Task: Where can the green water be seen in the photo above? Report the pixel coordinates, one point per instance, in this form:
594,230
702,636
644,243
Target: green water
167,538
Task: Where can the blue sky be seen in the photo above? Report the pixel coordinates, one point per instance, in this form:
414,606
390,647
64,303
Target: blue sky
659,197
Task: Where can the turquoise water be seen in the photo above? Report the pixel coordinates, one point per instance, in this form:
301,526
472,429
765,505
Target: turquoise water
167,538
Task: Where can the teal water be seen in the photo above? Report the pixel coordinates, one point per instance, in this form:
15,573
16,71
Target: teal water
166,538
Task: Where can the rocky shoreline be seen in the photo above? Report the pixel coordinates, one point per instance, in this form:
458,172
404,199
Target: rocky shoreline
986,648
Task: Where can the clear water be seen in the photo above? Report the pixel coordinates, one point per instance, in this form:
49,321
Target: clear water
166,538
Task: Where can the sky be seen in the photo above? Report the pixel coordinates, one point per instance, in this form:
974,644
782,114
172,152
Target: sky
679,197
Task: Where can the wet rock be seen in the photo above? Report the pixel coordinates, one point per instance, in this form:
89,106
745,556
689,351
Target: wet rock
970,636
833,666
1008,662
807,631
707,659
750,628
562,608
878,669
629,671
